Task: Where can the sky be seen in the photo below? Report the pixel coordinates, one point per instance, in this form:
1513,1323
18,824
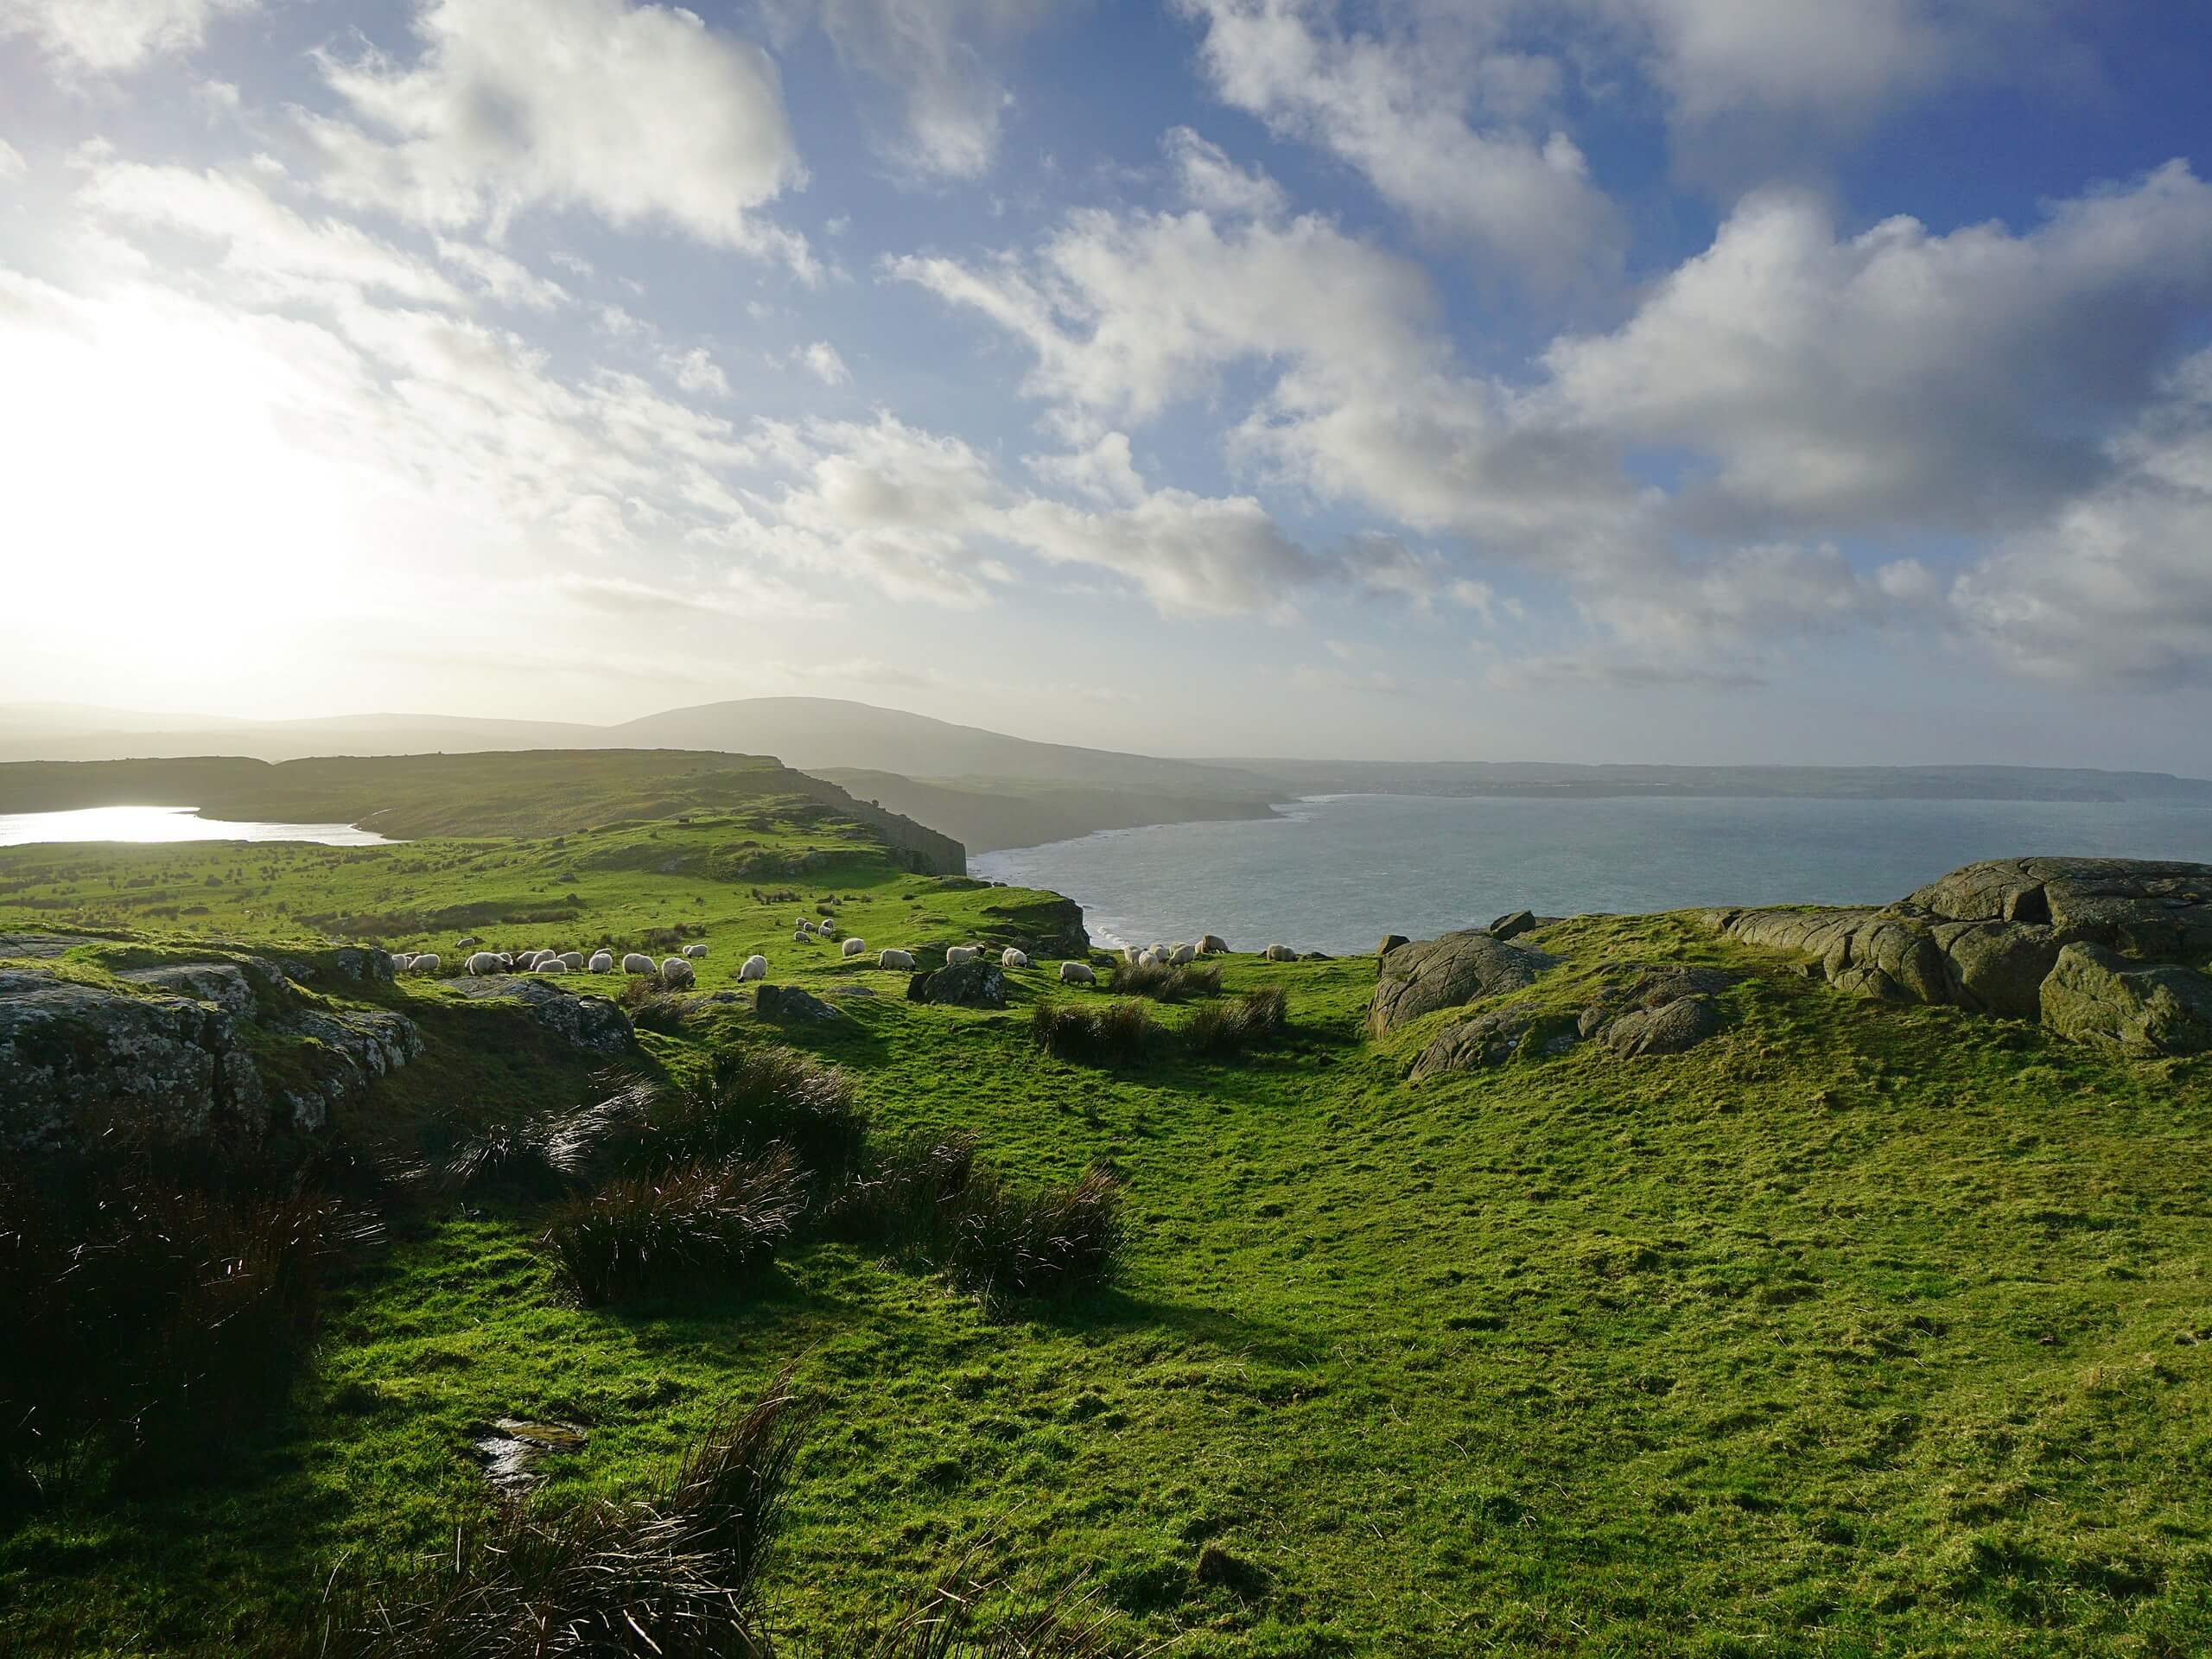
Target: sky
1658,380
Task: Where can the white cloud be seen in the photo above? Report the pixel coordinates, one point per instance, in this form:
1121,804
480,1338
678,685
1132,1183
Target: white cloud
937,58
1447,123
1211,182
506,280
12,165
696,370
110,36
641,114
825,364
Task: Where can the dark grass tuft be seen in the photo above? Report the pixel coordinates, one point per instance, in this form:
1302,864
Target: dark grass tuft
1220,1029
1107,1034
906,1197
696,1226
653,1008
511,1160
1164,984
1046,1242
675,1573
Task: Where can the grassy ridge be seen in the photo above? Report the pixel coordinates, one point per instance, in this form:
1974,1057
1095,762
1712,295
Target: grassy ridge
1855,1331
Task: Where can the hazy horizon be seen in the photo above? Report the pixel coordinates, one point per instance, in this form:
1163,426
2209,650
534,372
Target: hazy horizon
1613,381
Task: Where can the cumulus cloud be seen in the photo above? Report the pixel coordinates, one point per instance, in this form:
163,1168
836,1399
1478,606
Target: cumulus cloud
824,363
12,165
938,59
1448,124
638,113
112,36
696,370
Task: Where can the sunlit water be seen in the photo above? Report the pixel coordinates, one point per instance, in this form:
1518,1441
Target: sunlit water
1335,872
168,824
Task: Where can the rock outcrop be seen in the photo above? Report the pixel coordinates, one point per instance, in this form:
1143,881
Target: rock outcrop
977,984
791,1003
2068,941
594,1024
1641,1008
1445,972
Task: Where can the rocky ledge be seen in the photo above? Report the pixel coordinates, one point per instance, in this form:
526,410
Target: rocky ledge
2104,951
1639,1009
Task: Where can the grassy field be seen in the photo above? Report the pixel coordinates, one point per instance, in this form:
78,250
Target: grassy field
1854,1331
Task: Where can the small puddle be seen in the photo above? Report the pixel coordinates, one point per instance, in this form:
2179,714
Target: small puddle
510,1449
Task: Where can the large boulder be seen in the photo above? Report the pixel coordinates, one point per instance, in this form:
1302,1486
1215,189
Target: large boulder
1670,1028
1448,972
790,1003
1493,1038
2158,910
2097,995
977,984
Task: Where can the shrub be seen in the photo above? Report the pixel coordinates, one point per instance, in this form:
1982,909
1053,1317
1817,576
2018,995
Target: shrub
1104,1033
699,1225
673,1574
1053,1241
906,1196
1222,1028
1164,984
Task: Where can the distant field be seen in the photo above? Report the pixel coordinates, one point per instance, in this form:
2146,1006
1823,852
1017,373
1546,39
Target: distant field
1855,1331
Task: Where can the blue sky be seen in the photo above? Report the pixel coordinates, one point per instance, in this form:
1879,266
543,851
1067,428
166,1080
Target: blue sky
1599,379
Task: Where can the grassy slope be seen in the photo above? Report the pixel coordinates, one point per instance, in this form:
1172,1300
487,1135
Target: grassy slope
1855,1331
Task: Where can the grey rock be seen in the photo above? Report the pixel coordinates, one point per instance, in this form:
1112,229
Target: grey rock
977,984
72,1052
1446,972
29,946
789,1002
1493,1038
1670,1029
2094,995
591,1023
223,983
1391,942
1513,925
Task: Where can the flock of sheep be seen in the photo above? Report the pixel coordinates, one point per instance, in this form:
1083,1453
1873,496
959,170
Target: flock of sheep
678,972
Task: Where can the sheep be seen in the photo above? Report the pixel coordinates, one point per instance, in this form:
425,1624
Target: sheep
853,946
895,959
801,936
506,960
465,943
1181,954
1077,973
634,962
426,964
602,961
806,927
1147,958
961,953
554,965
1280,953
676,971
753,967
1011,958
484,962
573,961
1130,953
697,952
1213,945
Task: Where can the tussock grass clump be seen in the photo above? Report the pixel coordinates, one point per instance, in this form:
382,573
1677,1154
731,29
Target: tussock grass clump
1046,1242
694,1226
1107,1034
513,1159
906,1196
673,1574
1164,984
1224,1028
652,1008
156,1315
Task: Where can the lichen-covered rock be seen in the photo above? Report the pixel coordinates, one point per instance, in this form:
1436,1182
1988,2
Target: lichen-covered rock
1670,1028
1391,942
2155,909
1493,1038
1448,972
975,984
1998,967
789,1002
1513,923
592,1023
224,983
2094,995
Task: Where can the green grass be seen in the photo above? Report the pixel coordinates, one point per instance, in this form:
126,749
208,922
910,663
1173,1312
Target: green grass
1856,1331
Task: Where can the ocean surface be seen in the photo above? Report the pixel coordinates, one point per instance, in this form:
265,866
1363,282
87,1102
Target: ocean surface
1336,873
168,824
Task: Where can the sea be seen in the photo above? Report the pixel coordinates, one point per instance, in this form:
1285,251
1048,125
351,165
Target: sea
159,823
1336,873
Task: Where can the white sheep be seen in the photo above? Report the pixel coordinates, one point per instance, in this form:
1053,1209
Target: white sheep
552,965
426,964
634,962
399,960
573,961
1130,953
506,959
602,961
1213,945
675,970
801,937
961,953
1147,958
1280,953
895,959
806,927
853,946
1011,958
1181,954
697,952
484,962
753,967
1077,973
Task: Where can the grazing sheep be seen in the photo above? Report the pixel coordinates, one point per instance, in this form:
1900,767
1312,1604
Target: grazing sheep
753,967
553,965
1181,954
961,953
602,961
1011,958
506,959
400,962
1213,945
484,962
806,927
853,946
426,964
1077,973
1147,958
697,952
1280,953
895,959
1130,953
801,937
675,971
573,960
465,943
635,961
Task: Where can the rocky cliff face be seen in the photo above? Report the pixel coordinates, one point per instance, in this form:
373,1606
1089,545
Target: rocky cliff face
2106,950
